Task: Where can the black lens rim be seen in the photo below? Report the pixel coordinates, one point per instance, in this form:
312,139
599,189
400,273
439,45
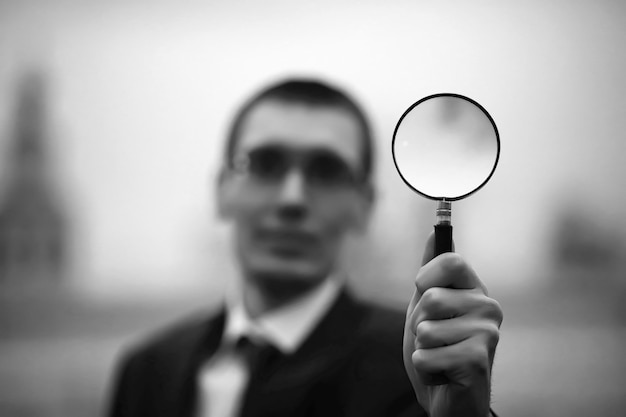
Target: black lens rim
454,95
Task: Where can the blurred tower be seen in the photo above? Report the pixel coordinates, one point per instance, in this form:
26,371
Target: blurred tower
32,226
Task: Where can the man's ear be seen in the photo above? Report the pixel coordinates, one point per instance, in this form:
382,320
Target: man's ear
223,195
364,208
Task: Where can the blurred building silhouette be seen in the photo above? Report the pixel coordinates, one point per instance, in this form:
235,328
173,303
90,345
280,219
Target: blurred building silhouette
587,250
32,225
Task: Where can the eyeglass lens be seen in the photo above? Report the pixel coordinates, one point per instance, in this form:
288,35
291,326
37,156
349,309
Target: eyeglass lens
320,167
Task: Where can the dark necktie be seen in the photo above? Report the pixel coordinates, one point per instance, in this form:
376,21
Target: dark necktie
260,358
258,355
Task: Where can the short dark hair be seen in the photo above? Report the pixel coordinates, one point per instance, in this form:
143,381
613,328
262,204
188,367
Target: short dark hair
310,92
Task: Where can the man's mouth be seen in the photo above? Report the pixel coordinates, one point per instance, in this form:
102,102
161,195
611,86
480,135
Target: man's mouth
288,242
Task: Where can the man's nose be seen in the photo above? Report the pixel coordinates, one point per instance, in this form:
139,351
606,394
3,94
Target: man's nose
293,187
292,197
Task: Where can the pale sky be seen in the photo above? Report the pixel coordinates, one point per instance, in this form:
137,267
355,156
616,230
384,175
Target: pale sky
141,91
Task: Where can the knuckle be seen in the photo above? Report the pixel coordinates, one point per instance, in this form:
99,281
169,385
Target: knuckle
492,333
424,332
497,312
419,360
419,281
453,263
492,310
478,359
433,299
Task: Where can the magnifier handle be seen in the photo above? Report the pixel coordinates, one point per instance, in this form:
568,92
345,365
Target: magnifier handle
443,238
443,244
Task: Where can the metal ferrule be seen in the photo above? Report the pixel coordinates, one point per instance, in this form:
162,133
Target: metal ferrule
444,212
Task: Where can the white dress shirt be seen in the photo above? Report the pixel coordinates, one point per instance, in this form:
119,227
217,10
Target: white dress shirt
223,378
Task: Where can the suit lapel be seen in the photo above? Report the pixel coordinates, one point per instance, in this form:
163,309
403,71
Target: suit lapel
197,346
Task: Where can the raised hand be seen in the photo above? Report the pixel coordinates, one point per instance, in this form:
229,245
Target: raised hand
450,337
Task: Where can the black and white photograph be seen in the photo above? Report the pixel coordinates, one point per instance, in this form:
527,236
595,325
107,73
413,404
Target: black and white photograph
312,208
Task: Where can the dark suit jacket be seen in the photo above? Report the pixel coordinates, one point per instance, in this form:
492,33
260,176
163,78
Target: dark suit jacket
351,365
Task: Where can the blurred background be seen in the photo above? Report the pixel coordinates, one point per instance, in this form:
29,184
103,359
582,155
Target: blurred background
112,118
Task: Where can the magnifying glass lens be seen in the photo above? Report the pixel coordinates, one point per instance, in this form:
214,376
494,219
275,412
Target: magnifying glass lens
446,147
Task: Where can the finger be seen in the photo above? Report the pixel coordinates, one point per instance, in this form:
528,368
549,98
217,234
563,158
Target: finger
428,255
444,303
459,363
438,333
448,270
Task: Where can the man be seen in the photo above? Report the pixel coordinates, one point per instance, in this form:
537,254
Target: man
296,181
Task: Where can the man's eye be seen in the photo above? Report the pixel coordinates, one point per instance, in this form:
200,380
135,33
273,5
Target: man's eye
329,170
267,164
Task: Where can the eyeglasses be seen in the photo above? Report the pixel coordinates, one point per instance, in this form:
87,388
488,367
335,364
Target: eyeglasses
321,168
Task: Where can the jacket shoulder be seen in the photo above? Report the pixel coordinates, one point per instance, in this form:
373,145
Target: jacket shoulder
173,338
151,375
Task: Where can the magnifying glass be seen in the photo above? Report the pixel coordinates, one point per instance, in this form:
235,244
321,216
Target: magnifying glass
445,147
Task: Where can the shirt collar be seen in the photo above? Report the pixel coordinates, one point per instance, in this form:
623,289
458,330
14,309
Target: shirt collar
285,327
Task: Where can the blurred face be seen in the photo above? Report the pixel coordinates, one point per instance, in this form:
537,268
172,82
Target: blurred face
294,191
